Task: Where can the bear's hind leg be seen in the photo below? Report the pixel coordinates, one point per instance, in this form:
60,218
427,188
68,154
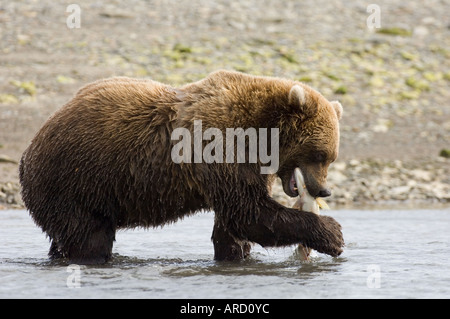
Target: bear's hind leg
89,243
226,247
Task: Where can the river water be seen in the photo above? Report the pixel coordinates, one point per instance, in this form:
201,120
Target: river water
388,254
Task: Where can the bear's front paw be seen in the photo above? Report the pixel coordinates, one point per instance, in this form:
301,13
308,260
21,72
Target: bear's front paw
331,239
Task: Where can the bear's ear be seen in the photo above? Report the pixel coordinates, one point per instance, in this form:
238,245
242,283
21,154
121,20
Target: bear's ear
337,108
297,95
298,99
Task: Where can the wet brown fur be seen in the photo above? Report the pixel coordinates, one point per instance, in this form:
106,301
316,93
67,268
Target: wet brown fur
103,162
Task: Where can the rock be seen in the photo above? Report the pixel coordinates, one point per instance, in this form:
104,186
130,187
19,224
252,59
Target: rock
382,125
339,166
10,195
400,191
354,162
336,177
420,31
420,175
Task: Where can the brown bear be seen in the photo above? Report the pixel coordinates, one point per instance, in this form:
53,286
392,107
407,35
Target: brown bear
104,161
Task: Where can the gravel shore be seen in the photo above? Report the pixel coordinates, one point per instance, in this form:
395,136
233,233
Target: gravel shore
392,81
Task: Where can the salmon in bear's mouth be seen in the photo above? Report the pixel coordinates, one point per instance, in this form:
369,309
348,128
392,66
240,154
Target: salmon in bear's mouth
297,181
293,185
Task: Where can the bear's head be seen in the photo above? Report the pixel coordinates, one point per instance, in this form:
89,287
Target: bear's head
311,135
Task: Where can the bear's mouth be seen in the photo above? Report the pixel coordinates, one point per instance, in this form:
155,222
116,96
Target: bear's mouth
296,181
293,185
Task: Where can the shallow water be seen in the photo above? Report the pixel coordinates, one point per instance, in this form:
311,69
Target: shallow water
388,254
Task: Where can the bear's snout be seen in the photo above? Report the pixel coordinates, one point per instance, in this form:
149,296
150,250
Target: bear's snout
324,193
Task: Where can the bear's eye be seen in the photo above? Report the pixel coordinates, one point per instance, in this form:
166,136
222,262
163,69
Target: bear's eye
319,157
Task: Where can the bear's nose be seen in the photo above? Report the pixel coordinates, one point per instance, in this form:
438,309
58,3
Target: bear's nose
324,193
